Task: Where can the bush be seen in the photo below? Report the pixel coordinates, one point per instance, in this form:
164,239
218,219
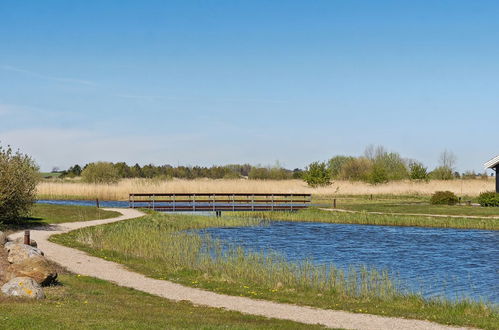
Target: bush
442,173
100,172
444,197
489,198
356,169
418,171
18,179
317,174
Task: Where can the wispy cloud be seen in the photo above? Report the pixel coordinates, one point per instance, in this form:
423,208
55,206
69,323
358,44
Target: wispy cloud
47,77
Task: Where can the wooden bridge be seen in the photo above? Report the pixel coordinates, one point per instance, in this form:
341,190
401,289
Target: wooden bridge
218,202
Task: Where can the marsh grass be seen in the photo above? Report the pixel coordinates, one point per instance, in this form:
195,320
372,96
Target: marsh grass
164,246
74,189
364,218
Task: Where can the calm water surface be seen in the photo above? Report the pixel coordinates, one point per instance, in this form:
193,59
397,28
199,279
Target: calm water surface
432,261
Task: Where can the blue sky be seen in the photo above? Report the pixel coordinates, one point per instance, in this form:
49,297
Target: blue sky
216,82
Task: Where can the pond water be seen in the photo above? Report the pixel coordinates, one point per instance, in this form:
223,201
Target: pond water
433,261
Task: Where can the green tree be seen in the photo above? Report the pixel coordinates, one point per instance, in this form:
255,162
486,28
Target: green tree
356,169
317,174
418,171
336,163
18,179
100,172
378,174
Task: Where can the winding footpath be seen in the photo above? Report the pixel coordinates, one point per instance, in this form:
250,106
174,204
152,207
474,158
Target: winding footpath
81,263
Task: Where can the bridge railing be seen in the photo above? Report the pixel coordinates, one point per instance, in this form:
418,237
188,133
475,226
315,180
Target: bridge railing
217,202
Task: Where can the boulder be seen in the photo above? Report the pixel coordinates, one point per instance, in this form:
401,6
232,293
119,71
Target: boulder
23,287
3,238
37,268
19,252
20,240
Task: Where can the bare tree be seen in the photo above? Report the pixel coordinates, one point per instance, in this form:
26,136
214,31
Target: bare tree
372,152
448,159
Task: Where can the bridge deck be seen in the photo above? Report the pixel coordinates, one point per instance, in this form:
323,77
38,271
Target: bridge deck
217,202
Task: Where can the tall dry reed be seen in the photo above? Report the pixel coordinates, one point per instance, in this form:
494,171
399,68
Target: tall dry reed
120,191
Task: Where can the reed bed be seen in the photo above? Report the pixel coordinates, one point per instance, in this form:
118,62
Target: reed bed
364,218
120,191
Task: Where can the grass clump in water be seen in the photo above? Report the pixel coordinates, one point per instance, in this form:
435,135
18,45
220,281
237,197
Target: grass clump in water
363,218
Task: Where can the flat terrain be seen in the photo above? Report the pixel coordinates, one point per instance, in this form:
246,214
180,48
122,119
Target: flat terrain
415,206
82,302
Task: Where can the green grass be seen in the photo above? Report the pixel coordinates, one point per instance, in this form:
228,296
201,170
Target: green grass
87,303
158,246
363,218
414,206
46,214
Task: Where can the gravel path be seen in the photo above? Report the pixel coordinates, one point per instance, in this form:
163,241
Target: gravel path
81,263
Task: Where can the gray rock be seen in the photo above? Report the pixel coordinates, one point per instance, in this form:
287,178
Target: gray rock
20,252
23,287
3,238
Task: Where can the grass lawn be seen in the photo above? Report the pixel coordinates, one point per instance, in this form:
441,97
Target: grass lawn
158,246
82,302
45,214
405,204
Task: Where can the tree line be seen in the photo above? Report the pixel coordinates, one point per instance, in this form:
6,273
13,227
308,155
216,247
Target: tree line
377,165
112,172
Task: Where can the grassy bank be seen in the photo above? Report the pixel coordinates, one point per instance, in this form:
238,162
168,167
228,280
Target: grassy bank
409,204
74,189
158,246
82,302
45,214
363,218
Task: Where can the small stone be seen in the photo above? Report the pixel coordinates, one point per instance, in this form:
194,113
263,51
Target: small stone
37,268
23,287
19,252
3,238
20,240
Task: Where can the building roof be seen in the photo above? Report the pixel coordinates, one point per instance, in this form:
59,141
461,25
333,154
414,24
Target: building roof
492,163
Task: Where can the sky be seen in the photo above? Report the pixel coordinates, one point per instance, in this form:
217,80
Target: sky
219,82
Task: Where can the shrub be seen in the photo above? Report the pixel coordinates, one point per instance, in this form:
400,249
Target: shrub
418,171
356,169
18,179
444,197
100,172
336,163
489,198
442,173
317,174
378,174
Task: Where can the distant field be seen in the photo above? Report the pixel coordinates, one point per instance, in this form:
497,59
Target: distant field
120,191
